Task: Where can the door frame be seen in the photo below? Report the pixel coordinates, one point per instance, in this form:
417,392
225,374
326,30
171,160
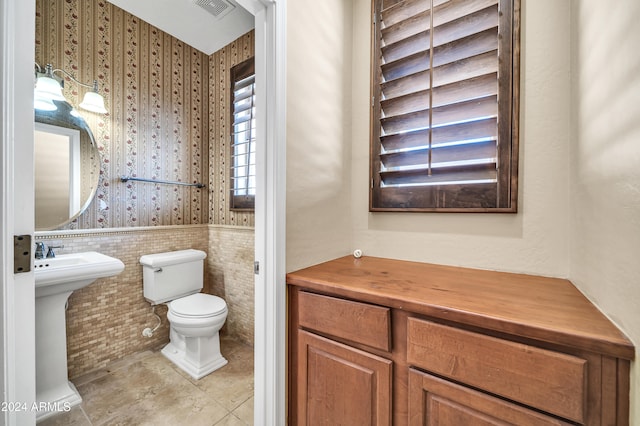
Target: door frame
17,296
270,210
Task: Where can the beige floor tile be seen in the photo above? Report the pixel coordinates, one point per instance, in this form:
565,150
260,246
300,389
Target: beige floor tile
74,417
147,389
245,411
231,420
111,367
229,345
173,406
232,384
111,395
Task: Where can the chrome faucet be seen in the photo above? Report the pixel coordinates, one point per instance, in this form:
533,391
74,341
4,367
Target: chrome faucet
40,248
51,253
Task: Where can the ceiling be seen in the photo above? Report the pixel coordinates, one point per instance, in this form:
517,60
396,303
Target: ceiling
191,23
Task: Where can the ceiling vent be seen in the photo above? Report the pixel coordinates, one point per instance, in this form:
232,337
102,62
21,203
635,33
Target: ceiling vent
218,8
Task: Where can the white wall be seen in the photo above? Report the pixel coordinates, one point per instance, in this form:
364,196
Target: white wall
605,164
536,239
318,131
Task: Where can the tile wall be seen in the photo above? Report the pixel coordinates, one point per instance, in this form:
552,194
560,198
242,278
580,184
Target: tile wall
230,269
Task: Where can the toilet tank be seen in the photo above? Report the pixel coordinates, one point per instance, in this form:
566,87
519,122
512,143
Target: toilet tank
171,275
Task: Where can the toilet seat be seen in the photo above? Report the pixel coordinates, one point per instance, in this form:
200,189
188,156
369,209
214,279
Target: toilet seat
198,305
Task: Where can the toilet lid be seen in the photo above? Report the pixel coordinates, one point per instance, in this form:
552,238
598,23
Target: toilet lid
198,305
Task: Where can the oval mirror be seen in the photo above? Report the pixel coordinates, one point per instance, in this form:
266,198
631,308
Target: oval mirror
67,166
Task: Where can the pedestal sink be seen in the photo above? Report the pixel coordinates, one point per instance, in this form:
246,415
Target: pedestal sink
56,278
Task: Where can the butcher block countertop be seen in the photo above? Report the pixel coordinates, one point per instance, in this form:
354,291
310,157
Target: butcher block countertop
547,309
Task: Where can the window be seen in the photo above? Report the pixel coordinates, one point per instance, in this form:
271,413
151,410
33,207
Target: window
445,91
243,136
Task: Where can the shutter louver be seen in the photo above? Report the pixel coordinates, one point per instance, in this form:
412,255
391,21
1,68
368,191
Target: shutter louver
439,88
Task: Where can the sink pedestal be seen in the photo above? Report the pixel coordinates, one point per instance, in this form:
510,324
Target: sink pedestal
53,389
56,279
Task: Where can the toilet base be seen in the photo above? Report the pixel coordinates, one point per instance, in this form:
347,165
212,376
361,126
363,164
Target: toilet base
193,365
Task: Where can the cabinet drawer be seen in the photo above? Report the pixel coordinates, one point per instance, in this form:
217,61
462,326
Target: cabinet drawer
546,380
435,401
354,321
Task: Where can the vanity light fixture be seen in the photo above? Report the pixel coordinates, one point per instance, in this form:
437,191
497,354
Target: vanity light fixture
48,88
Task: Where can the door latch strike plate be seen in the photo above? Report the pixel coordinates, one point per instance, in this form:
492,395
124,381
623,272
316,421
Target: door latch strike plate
21,254
256,268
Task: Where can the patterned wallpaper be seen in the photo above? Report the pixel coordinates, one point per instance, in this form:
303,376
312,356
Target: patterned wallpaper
220,65
156,89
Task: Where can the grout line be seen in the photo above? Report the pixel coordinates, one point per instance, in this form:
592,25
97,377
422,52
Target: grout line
86,416
240,405
227,417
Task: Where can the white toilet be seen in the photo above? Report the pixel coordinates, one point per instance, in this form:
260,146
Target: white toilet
195,318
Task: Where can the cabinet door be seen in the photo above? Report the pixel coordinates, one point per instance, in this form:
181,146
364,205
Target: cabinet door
435,401
341,385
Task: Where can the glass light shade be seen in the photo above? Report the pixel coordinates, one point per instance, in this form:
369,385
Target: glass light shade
42,103
49,88
93,102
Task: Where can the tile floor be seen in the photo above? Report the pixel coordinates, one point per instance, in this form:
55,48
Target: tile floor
147,389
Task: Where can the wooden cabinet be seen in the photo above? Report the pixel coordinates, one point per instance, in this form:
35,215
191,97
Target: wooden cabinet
341,385
379,342
338,384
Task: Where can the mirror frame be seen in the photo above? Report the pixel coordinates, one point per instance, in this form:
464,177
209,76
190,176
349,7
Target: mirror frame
66,116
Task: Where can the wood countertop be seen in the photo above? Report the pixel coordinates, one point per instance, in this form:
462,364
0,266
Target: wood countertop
542,308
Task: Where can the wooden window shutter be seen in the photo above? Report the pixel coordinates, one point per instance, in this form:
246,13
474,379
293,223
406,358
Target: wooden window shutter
243,136
445,91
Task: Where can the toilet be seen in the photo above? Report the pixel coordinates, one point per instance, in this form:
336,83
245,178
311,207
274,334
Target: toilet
195,318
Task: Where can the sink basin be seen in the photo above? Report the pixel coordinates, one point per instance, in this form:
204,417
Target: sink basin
69,272
56,278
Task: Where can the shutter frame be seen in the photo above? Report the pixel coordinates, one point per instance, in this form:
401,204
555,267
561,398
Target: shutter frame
242,72
450,197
